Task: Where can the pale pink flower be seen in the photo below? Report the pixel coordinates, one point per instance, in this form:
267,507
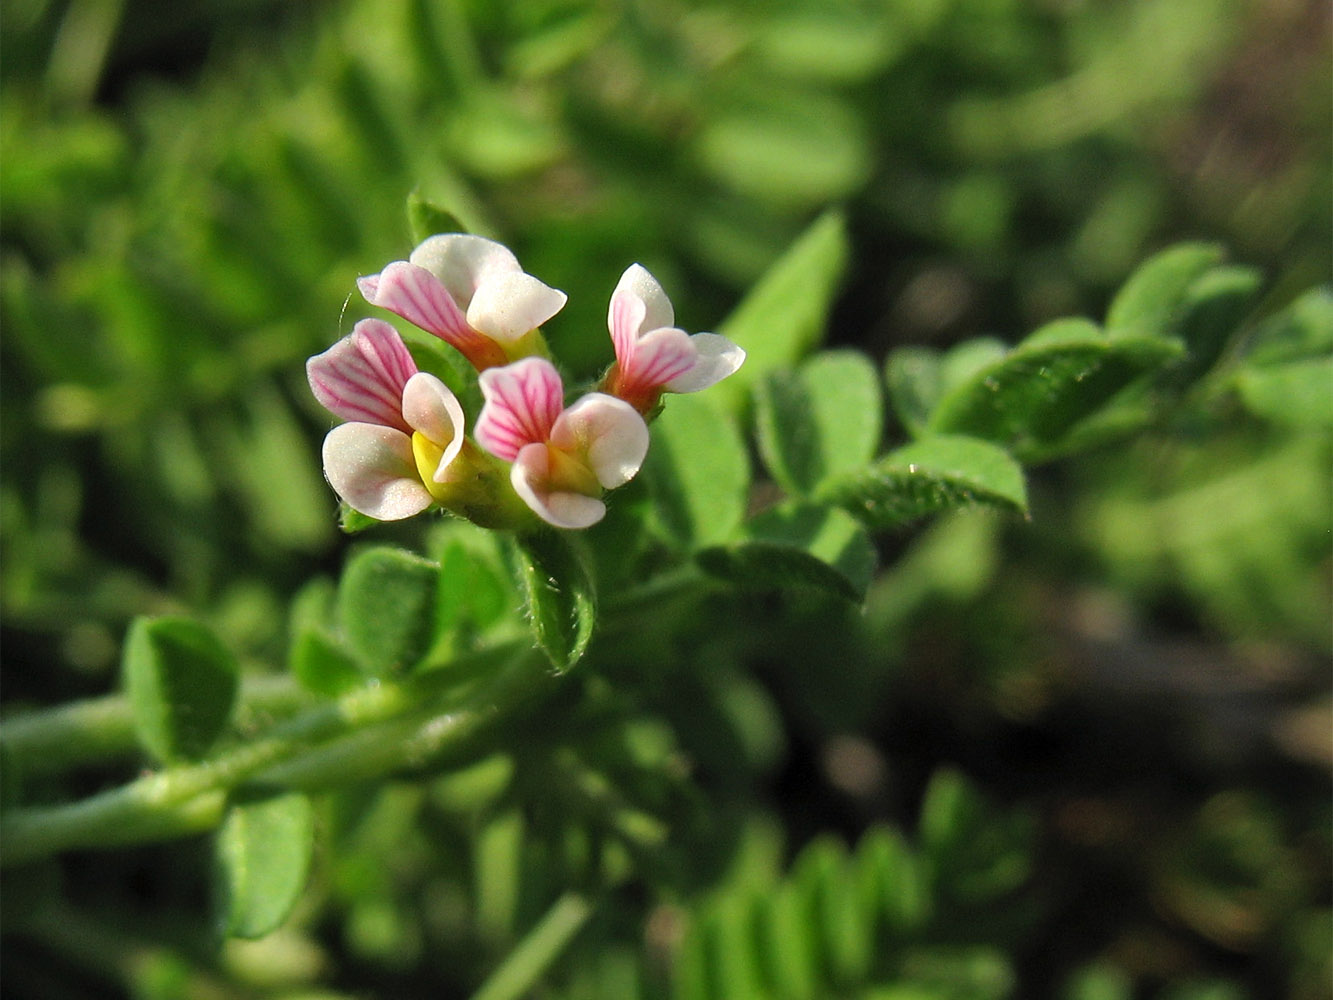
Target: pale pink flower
404,427
563,457
652,355
470,292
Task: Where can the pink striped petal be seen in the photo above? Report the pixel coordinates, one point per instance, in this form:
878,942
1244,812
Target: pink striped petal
716,357
659,356
433,410
508,306
530,477
419,297
372,468
607,434
523,401
362,376
462,262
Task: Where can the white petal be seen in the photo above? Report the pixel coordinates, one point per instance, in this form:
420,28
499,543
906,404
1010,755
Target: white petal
507,306
433,410
637,282
372,468
718,358
463,262
523,401
361,377
608,433
529,477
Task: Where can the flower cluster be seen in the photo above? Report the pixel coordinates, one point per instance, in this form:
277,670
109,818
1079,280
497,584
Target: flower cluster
405,445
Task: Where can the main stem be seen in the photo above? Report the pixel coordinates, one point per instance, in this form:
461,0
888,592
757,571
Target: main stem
371,731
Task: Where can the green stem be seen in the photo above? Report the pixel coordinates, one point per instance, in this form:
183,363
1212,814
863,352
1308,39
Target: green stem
98,729
366,733
519,972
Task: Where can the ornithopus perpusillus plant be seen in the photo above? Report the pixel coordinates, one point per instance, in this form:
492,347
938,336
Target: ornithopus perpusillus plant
618,524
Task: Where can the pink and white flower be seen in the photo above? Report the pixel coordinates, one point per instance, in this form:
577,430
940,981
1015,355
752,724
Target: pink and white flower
652,355
404,428
563,458
470,292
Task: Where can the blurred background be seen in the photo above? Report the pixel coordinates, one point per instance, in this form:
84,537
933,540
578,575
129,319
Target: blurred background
188,190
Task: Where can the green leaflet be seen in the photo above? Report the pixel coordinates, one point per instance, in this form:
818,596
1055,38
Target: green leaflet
973,853
929,476
1304,329
263,857
387,608
425,218
1298,393
819,422
560,594
1287,374
783,315
316,658
1148,304
181,681
698,473
1032,398
802,547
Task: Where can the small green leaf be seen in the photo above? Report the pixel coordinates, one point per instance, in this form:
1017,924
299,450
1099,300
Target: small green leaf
1296,393
1304,329
930,476
802,547
819,422
317,660
783,315
426,219
386,605
1149,302
181,682
974,852
560,594
1032,398
912,375
789,945
1210,312
475,589
320,664
264,849
889,865
697,472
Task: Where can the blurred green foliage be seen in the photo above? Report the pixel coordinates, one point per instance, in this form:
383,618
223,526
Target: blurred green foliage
1136,678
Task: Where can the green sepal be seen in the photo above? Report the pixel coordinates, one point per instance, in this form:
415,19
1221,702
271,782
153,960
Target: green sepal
353,522
819,422
930,476
182,682
387,608
560,595
806,547
263,853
